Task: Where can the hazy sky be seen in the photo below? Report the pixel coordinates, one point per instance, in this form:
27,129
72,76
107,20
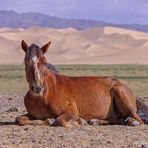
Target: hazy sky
117,11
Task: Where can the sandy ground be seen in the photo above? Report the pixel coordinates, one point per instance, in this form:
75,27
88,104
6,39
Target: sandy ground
104,45
12,135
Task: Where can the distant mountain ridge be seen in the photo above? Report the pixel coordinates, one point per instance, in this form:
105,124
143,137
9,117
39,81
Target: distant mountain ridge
13,19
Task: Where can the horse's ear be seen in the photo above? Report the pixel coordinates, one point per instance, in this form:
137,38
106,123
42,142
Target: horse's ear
24,45
45,47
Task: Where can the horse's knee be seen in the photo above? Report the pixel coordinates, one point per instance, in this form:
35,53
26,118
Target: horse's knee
67,120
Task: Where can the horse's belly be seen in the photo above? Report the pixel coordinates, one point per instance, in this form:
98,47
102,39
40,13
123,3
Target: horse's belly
99,109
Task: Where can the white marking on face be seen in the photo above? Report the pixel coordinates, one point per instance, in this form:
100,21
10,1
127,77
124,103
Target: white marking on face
34,59
37,74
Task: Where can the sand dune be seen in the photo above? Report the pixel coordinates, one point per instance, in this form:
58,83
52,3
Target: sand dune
104,45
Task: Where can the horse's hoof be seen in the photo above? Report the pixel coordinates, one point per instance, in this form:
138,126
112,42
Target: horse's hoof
82,122
93,122
132,122
49,121
20,120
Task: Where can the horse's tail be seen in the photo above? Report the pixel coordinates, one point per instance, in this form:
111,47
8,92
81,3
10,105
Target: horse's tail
142,105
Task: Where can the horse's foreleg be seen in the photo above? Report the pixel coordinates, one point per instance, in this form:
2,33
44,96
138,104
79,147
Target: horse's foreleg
66,120
69,118
28,120
24,120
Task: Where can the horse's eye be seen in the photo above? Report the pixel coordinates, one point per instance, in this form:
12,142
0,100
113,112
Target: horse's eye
27,61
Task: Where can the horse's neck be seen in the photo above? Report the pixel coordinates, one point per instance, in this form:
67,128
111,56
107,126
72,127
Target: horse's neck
54,80
50,78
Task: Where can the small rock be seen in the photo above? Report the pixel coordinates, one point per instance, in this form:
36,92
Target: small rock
110,141
26,129
12,109
33,140
39,142
143,146
9,98
20,142
62,137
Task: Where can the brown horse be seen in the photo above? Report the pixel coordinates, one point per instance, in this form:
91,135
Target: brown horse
70,99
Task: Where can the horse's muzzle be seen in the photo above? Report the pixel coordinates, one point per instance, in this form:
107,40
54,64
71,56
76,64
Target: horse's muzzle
38,90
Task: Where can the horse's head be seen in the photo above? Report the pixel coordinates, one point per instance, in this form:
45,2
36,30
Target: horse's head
34,66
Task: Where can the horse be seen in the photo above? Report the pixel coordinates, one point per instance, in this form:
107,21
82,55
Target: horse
59,100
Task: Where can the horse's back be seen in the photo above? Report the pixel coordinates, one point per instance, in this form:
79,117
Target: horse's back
94,83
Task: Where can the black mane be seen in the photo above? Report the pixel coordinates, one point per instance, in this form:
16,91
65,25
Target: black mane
51,67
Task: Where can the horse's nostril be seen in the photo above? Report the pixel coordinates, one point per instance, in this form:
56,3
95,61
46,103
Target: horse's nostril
33,88
38,89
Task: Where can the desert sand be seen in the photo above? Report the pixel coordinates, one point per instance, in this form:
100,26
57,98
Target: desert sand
89,136
100,45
